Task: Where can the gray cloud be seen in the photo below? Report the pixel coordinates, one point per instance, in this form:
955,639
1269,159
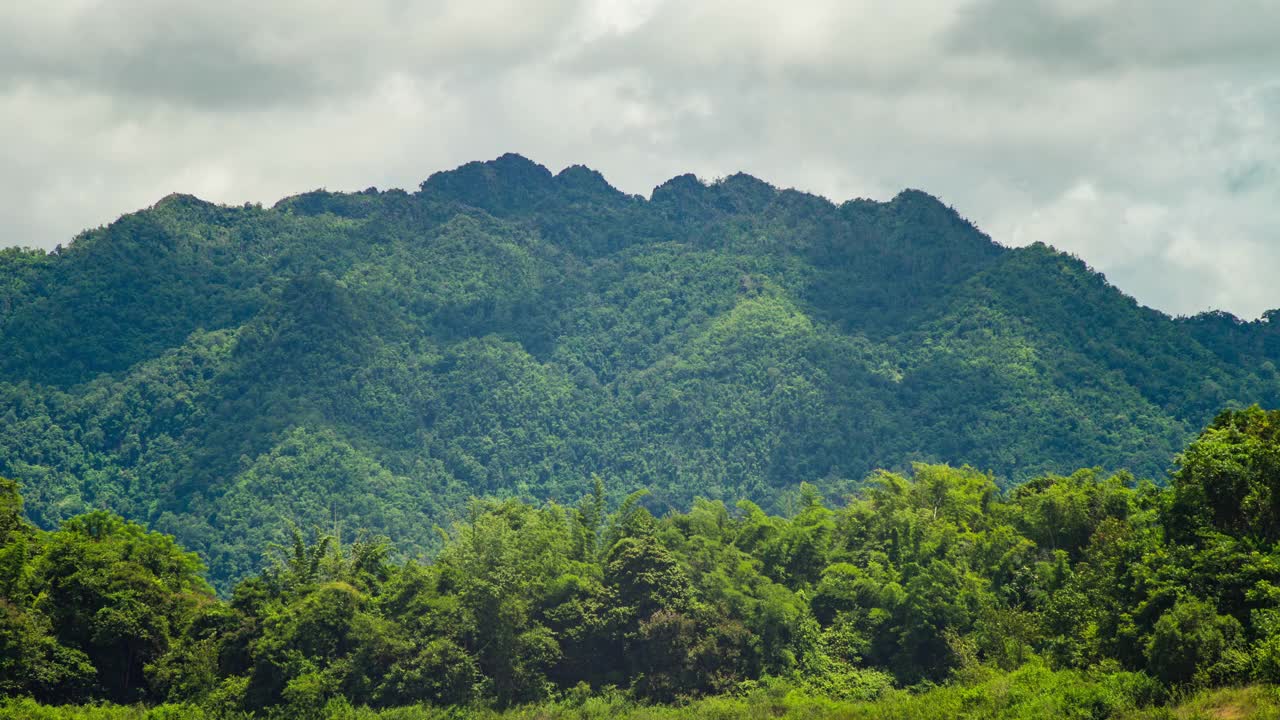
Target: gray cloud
1141,135
240,54
1108,35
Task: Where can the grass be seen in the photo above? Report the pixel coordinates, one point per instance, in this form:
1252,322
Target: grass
1032,692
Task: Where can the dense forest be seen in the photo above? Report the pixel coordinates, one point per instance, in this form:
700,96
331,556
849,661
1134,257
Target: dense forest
928,594
368,361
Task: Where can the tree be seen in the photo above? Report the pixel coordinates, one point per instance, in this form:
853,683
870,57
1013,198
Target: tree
118,594
1188,640
1228,479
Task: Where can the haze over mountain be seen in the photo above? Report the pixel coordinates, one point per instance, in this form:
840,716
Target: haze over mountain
370,360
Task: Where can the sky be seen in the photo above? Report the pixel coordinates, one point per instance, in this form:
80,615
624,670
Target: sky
1140,135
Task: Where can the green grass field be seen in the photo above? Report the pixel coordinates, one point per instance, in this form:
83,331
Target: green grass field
1032,692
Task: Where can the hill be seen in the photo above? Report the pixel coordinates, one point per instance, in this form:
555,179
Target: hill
368,360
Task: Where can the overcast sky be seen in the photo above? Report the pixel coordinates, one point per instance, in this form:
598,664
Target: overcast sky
1143,136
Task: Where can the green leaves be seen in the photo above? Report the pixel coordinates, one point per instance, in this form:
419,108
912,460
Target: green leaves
1228,480
110,596
1188,640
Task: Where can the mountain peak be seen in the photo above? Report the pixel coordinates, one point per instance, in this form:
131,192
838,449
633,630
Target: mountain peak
583,179
506,183
919,203
741,192
688,183
182,200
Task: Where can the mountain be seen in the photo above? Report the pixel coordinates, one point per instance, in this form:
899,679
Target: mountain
369,360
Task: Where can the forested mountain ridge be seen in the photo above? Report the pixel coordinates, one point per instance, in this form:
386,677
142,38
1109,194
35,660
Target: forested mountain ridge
371,359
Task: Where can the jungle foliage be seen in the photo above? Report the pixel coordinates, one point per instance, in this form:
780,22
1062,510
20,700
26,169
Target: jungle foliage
370,360
921,594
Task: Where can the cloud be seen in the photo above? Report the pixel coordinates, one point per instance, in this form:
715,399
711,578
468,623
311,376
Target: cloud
1141,135
1110,35
241,54
1176,213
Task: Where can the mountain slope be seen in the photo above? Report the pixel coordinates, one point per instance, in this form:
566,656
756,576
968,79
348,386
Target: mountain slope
504,330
